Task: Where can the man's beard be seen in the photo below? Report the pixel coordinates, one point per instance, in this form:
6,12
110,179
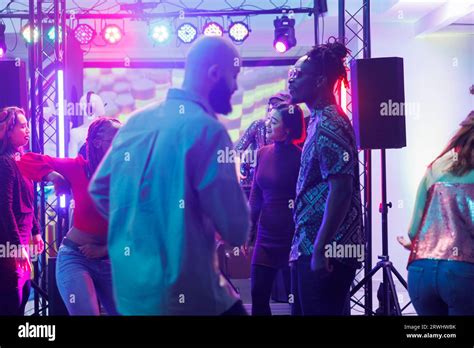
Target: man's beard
219,98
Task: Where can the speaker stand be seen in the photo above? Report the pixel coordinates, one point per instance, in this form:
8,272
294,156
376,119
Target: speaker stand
390,297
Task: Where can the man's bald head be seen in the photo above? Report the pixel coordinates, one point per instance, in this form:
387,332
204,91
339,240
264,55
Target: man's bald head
212,66
209,51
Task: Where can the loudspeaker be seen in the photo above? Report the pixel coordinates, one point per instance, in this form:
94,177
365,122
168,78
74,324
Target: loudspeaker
15,88
56,304
322,6
378,103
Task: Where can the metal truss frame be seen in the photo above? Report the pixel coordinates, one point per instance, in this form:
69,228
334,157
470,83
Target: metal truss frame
354,30
46,61
46,58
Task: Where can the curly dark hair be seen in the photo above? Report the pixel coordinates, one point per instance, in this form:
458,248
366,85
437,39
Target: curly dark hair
328,60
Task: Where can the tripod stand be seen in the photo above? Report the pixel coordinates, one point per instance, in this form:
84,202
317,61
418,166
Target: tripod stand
390,297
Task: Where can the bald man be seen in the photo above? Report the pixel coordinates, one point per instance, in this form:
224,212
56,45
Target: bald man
166,189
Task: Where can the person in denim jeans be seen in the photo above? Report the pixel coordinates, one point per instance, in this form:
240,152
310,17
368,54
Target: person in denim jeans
83,271
441,263
83,281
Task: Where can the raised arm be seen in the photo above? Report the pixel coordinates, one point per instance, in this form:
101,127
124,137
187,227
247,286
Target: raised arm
248,137
39,167
419,207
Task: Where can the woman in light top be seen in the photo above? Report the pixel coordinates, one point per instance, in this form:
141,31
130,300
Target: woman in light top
441,263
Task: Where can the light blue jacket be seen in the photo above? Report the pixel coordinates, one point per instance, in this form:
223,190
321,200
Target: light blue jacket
166,195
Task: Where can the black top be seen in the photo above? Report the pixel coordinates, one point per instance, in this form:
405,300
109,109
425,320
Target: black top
272,201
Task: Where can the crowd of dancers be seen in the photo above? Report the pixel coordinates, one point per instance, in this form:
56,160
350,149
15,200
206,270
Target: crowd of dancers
151,196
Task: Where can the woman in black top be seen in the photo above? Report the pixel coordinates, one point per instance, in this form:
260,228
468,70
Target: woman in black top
272,200
17,219
255,138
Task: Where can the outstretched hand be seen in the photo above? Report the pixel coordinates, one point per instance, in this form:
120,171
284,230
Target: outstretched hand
61,185
405,243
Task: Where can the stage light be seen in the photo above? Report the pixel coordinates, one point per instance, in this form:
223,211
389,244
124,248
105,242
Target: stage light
239,31
213,29
26,32
284,34
281,47
84,34
160,33
187,33
3,44
112,34
52,34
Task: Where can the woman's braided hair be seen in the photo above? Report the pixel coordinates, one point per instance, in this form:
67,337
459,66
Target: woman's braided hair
328,60
95,133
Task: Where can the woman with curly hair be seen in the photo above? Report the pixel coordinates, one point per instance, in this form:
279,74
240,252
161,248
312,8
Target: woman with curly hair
441,263
18,223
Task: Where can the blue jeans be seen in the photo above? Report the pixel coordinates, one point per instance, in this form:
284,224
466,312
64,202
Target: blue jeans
321,292
82,282
440,287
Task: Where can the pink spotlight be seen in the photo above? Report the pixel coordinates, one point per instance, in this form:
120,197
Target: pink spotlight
112,34
213,29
